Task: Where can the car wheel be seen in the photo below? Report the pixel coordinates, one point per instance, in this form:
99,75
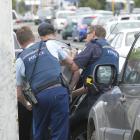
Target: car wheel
58,31
79,133
91,131
64,37
93,136
80,40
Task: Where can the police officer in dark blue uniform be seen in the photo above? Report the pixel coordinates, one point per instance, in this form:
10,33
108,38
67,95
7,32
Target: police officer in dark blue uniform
97,51
25,38
52,109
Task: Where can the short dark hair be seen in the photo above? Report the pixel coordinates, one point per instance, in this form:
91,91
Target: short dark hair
99,30
45,29
24,35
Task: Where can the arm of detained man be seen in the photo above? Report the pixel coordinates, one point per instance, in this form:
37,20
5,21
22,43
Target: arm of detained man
74,69
22,99
79,91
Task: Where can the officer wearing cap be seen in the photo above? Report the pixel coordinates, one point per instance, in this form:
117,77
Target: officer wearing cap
52,110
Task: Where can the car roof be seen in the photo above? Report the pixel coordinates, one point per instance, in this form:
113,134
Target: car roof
123,21
130,30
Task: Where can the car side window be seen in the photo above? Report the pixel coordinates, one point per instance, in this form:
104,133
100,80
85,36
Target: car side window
132,71
117,41
114,41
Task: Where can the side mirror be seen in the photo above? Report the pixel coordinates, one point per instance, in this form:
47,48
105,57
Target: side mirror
103,78
105,75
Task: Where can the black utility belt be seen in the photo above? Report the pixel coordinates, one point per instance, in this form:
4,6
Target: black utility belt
49,86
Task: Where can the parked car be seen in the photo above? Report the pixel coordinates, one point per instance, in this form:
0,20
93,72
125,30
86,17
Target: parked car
61,19
17,20
44,14
68,30
28,17
122,43
116,114
102,20
136,16
114,27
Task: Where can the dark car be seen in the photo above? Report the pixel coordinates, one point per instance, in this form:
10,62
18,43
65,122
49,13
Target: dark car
67,32
116,114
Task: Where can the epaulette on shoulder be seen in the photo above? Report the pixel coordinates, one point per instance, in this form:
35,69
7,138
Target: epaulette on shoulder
18,53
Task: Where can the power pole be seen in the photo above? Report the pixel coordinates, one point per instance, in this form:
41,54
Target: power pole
8,98
128,6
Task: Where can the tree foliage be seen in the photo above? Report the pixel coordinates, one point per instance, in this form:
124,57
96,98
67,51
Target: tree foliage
22,7
96,4
19,6
13,4
100,4
137,3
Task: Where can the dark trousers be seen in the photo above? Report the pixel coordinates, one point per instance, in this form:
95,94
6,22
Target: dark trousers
25,123
52,112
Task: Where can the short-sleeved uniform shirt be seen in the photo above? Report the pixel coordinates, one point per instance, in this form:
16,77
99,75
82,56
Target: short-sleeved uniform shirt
89,55
54,47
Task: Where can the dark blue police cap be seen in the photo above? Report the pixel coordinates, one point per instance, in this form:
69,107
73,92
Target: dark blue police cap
45,29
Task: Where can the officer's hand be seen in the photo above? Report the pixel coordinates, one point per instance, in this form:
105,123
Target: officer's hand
28,106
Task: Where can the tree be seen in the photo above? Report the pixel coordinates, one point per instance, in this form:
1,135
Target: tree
96,4
13,4
22,7
137,3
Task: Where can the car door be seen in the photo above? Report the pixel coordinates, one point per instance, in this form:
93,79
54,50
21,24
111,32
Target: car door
117,42
130,83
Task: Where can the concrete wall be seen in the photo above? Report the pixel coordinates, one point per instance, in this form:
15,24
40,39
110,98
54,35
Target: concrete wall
8,100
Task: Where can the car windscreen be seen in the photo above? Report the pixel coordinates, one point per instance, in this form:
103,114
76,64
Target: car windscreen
87,20
65,15
115,28
44,12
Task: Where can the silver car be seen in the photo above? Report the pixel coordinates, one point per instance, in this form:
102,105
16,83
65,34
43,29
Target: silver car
116,114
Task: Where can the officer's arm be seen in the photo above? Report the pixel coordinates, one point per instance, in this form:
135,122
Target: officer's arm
22,99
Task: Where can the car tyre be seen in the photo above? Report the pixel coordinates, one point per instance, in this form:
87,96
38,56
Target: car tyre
91,131
64,37
79,133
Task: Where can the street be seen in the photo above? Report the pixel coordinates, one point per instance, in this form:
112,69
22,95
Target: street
34,27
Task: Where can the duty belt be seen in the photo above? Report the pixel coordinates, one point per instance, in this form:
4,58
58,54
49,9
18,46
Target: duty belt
48,86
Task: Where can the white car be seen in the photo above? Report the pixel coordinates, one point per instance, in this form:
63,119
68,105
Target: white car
61,19
114,27
122,43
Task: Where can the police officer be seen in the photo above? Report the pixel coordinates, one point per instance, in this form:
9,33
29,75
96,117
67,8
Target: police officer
26,39
52,109
97,51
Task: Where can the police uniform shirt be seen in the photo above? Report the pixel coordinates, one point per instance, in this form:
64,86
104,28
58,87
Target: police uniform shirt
54,47
88,56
